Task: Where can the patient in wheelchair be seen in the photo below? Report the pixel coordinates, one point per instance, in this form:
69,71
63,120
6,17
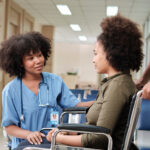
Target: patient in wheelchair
118,51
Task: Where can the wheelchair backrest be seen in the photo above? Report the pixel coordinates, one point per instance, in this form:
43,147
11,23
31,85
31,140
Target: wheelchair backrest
134,110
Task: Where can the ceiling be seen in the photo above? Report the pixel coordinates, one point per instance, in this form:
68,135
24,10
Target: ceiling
87,13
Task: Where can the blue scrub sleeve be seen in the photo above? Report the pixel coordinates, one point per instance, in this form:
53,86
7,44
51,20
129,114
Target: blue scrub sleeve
67,98
9,114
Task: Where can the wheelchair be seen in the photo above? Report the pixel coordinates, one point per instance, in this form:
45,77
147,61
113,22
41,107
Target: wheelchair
127,144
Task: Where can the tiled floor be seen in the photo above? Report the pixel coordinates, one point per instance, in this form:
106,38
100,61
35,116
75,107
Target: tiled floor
143,139
3,141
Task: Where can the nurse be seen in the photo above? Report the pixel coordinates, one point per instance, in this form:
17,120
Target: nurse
32,98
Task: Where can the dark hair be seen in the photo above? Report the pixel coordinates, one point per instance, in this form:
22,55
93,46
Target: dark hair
13,50
122,43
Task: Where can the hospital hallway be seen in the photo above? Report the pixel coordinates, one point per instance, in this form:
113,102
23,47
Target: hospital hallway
72,32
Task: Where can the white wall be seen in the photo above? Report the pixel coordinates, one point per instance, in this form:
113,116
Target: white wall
75,57
86,67
37,26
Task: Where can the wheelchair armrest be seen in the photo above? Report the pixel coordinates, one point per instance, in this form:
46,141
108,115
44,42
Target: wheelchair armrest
71,109
83,127
46,129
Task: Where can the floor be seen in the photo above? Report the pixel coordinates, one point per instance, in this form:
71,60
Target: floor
3,141
143,139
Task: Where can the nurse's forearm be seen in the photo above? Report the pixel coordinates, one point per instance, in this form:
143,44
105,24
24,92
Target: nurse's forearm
17,132
85,104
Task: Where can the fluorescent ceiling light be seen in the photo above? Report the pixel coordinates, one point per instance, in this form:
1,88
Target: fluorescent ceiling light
112,10
64,9
75,27
82,38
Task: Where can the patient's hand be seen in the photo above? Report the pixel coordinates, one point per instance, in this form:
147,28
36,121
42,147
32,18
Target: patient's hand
35,137
49,135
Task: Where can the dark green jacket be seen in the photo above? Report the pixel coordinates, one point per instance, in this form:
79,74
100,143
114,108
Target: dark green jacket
108,112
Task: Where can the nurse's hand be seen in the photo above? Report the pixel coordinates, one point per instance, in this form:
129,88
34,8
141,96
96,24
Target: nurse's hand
35,137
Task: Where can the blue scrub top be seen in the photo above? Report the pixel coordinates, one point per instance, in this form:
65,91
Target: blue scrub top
35,116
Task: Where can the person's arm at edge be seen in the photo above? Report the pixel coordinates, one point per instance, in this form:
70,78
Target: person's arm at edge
144,78
146,91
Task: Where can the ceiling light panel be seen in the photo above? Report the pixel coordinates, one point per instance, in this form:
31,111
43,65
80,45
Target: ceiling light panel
82,38
75,27
64,9
112,10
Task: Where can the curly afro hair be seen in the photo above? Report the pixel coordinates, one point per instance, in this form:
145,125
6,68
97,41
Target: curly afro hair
13,50
122,41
